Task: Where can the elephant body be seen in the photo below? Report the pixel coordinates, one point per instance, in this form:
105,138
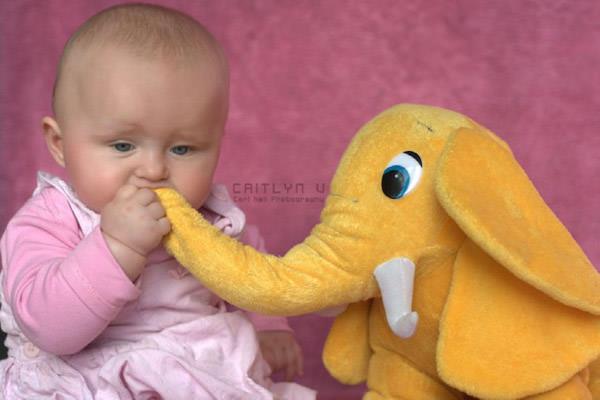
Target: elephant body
508,303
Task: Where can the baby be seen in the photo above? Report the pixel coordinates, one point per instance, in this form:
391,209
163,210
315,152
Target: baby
93,306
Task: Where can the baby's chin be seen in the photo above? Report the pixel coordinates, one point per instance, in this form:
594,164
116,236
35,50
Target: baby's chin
93,204
197,204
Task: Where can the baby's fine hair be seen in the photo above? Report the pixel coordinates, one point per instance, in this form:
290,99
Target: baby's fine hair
145,30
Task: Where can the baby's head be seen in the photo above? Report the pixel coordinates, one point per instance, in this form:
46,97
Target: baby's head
141,96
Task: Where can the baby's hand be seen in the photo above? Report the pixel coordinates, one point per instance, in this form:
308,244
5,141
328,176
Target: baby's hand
133,220
282,352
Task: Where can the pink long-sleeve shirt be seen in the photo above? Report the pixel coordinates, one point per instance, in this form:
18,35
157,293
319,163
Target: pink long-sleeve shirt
65,287
66,304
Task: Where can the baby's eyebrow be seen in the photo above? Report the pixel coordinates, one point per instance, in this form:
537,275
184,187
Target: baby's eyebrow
123,127
115,132
110,132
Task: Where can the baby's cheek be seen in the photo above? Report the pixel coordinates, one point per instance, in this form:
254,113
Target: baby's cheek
198,196
194,190
83,189
194,180
96,199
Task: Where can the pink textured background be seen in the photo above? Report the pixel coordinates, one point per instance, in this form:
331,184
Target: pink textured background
307,74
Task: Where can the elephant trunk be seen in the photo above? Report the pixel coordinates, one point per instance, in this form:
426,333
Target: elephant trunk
288,285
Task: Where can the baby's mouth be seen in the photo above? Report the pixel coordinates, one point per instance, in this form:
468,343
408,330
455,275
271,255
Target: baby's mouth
151,185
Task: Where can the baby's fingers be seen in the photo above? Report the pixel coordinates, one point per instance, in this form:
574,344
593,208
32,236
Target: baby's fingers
294,362
299,360
145,197
164,226
126,191
156,210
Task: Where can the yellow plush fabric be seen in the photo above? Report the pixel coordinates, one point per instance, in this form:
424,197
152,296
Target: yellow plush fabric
594,379
283,287
511,222
575,388
490,311
348,360
508,303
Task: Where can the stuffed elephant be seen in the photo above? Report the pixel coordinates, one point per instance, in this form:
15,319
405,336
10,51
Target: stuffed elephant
459,279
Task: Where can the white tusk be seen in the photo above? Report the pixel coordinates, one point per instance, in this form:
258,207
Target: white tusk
396,278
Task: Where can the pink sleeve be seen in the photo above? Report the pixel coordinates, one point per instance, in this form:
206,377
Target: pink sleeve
251,236
63,289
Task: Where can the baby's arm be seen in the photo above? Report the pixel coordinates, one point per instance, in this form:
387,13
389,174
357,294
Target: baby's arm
63,290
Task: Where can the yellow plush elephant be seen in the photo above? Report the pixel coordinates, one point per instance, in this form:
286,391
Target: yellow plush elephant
459,280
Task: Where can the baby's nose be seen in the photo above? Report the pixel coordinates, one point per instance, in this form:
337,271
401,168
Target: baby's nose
153,168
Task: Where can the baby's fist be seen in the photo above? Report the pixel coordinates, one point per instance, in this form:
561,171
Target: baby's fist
135,218
282,352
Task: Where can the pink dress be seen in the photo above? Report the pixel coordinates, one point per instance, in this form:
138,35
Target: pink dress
78,328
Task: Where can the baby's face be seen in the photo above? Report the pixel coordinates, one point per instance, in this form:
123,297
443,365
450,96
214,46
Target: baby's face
150,123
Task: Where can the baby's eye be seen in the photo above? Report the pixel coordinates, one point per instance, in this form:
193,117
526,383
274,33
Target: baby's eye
122,147
180,150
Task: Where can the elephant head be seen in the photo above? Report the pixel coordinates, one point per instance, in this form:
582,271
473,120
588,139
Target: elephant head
442,193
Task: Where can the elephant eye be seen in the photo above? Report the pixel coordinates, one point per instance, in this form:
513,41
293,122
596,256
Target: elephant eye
401,175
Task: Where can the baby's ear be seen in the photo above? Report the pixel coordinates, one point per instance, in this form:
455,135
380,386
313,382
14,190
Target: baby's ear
53,136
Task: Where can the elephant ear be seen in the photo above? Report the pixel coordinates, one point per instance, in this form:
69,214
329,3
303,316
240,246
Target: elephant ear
521,314
483,188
